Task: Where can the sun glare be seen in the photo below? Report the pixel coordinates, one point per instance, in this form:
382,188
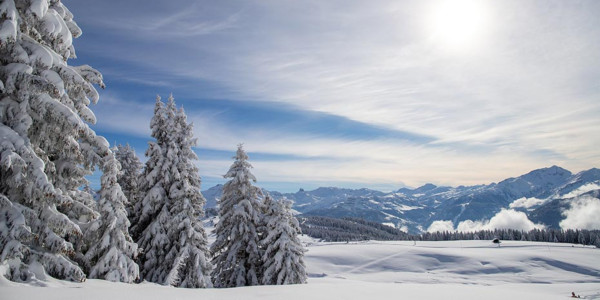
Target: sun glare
458,23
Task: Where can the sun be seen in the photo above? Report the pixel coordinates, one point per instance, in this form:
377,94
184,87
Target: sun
458,23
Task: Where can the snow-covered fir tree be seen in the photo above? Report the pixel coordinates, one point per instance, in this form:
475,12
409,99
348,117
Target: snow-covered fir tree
283,255
152,191
175,244
236,252
189,252
110,250
129,177
46,146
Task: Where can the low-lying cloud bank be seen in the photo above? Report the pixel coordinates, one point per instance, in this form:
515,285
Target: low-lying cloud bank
505,219
527,202
583,214
441,226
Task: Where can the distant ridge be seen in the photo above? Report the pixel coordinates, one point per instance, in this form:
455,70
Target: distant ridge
554,190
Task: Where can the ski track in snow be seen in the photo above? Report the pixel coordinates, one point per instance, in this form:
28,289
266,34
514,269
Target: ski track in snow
384,270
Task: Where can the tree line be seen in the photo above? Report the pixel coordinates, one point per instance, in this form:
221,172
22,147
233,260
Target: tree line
348,229
571,236
355,229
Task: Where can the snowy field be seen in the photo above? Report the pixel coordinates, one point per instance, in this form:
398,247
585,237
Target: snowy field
385,270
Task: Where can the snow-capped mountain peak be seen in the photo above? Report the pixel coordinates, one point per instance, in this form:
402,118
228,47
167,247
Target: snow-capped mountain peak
538,193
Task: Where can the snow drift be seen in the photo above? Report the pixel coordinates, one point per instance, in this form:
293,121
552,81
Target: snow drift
384,270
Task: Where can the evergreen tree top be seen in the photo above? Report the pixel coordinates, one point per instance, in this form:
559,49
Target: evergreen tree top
157,123
240,169
171,108
241,154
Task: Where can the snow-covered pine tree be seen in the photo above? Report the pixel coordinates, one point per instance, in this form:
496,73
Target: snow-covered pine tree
236,252
152,213
283,255
129,177
188,256
174,242
46,147
152,191
110,250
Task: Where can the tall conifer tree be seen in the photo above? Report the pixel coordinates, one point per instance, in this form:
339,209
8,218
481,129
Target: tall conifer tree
46,147
174,241
129,176
152,191
283,254
236,252
110,251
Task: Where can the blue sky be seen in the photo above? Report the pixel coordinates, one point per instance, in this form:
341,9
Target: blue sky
377,94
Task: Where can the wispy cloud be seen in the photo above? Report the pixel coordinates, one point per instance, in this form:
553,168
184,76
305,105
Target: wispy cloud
115,114
527,203
524,96
146,19
305,154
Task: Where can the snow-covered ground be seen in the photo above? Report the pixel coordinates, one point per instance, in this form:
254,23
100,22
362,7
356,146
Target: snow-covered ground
385,270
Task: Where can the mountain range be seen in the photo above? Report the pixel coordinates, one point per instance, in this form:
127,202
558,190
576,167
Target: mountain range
543,195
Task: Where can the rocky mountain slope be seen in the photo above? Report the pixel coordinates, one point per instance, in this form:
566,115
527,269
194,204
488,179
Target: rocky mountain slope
542,194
